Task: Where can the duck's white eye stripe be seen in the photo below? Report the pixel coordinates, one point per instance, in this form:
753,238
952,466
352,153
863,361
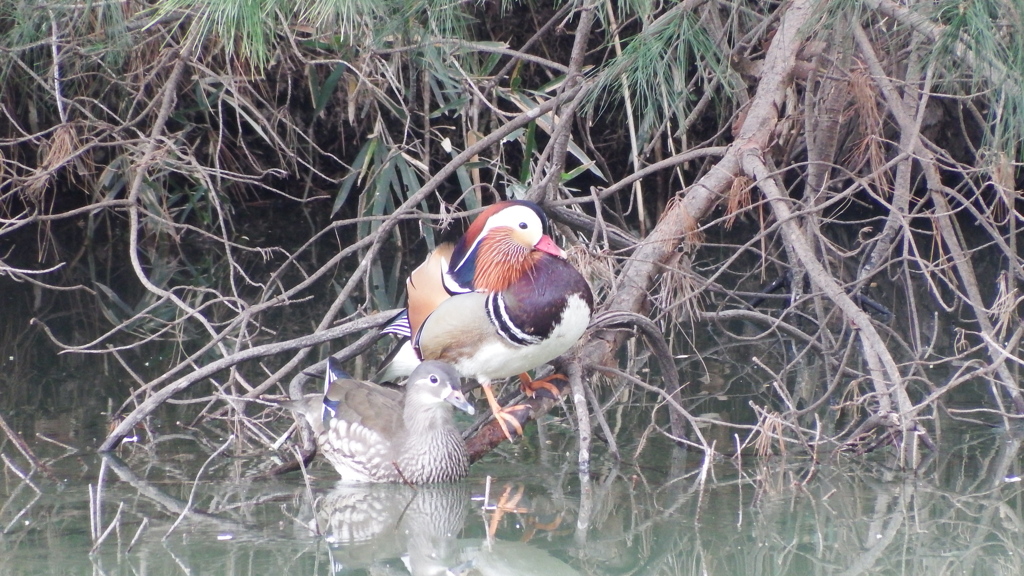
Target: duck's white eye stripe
513,216
519,216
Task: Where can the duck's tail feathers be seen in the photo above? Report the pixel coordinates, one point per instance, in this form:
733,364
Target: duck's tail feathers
399,326
399,363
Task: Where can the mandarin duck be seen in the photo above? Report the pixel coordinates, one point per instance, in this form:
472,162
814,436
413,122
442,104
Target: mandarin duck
370,433
499,302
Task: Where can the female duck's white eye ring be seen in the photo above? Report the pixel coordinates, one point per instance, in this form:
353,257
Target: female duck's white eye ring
434,379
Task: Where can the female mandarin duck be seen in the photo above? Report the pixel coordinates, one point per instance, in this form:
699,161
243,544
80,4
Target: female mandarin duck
370,433
500,301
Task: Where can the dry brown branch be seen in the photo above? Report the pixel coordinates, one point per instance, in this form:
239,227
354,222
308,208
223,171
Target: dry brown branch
158,397
945,224
640,271
547,186
885,373
491,434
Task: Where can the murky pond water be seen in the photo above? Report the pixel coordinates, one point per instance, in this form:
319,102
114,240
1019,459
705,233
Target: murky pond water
177,507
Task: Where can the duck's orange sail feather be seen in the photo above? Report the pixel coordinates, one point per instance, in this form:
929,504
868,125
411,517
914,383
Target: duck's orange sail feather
426,286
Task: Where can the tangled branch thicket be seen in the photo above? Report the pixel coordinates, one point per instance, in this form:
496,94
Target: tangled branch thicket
228,186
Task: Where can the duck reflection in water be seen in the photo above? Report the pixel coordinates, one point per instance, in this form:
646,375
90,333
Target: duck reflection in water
402,529
374,524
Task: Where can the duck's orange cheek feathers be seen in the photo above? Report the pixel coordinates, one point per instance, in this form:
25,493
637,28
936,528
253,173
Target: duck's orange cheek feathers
501,261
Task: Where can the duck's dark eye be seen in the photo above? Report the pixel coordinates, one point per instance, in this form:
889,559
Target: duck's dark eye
434,379
523,225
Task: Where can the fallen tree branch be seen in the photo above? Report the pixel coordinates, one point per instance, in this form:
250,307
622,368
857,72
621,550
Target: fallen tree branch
151,403
681,215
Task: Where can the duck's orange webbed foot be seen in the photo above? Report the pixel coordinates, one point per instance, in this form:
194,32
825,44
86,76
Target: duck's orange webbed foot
504,415
545,385
535,524
507,503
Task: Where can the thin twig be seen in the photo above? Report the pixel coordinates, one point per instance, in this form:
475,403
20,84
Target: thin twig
23,447
195,485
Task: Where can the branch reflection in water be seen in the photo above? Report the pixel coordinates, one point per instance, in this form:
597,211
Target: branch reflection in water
960,513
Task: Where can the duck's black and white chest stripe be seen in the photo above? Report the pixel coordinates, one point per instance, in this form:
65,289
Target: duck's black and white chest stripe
497,313
532,309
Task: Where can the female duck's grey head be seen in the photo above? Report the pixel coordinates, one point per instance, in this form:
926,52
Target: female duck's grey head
438,380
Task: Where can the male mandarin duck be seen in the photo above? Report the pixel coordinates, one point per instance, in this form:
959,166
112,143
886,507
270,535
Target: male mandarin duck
500,301
370,433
